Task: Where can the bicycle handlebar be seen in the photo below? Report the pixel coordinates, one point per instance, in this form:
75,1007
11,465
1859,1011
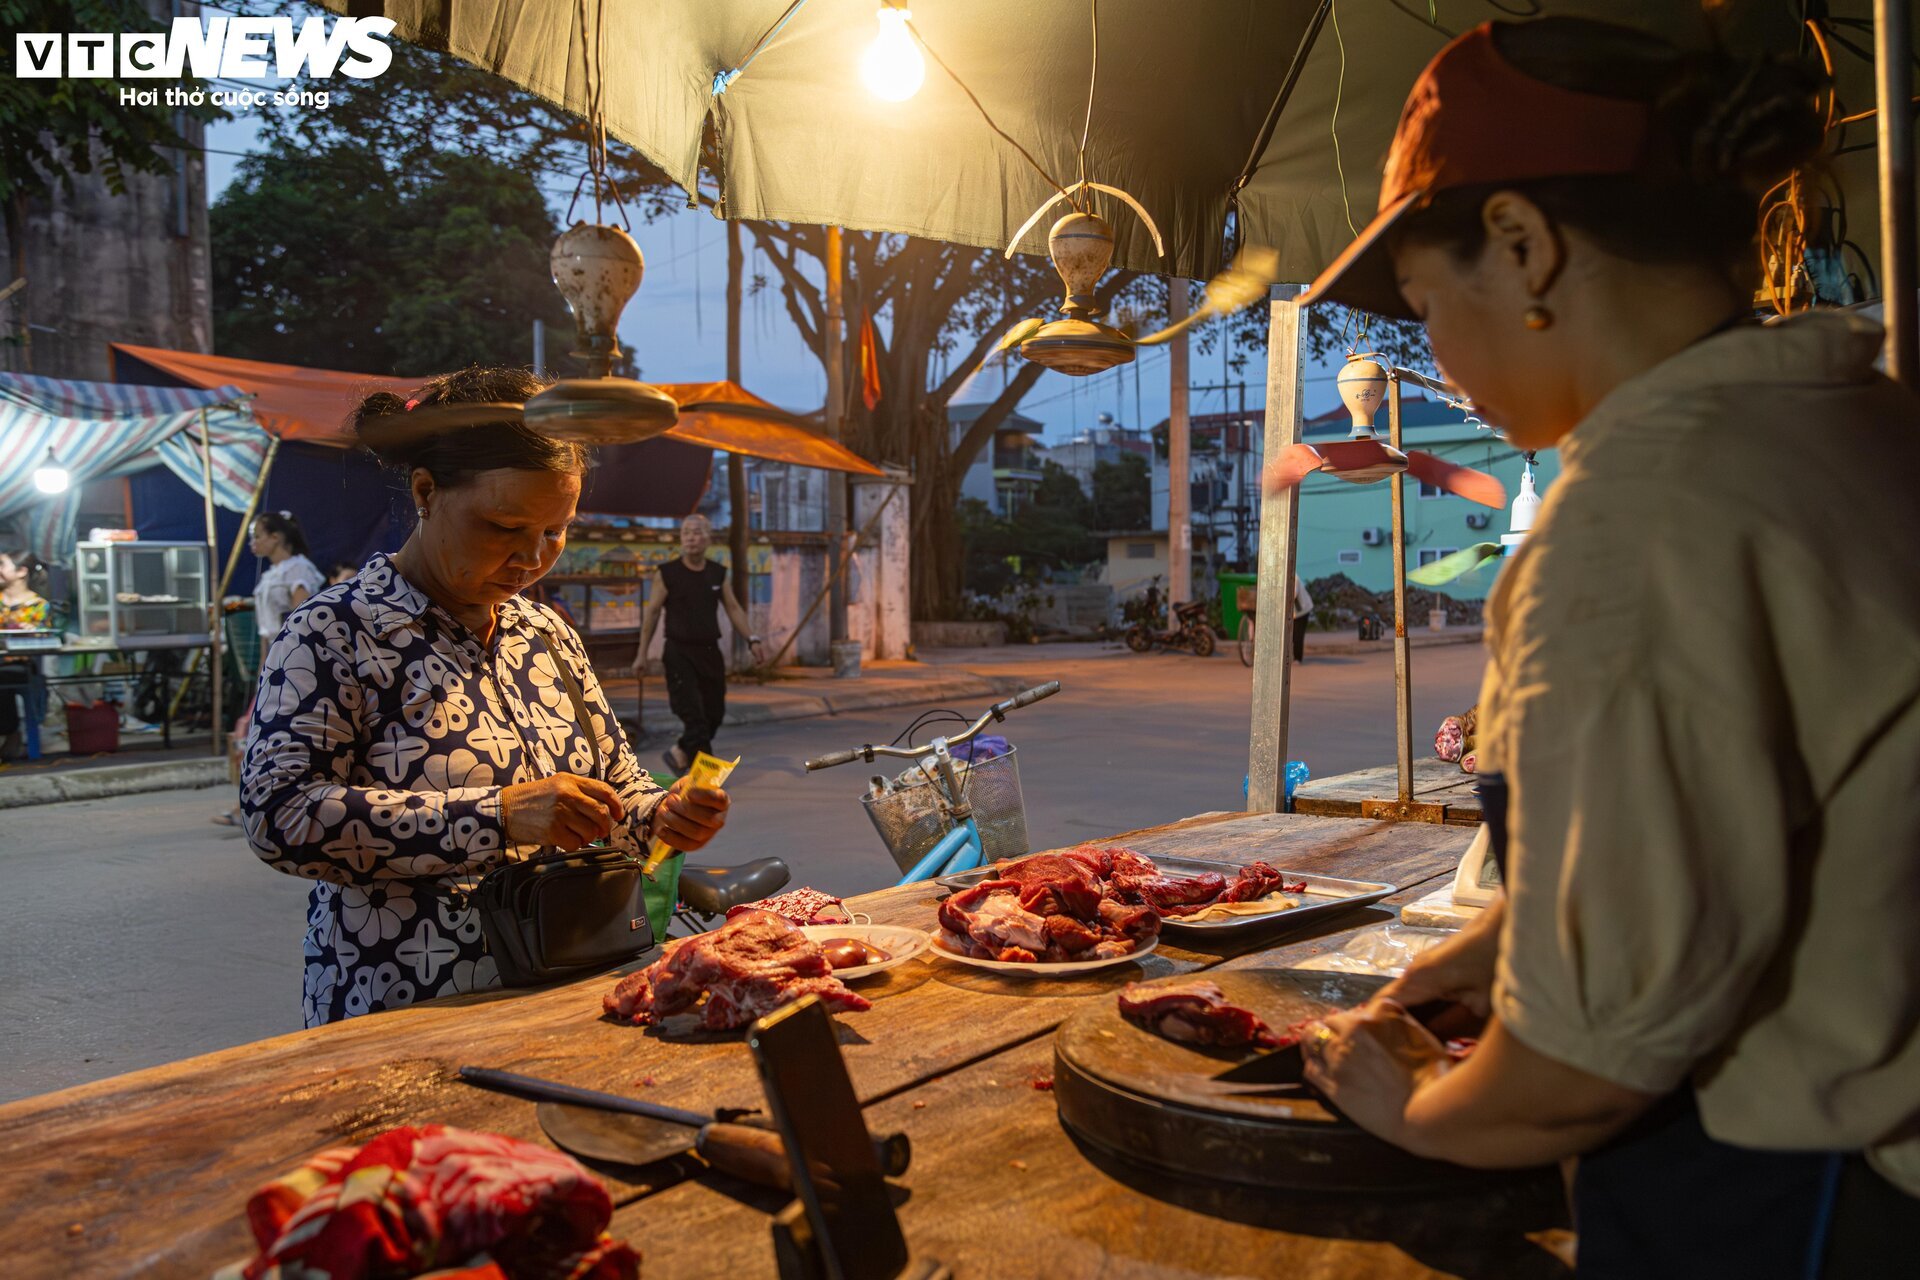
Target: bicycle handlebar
998,711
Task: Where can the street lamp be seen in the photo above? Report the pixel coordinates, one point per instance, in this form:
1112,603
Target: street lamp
50,476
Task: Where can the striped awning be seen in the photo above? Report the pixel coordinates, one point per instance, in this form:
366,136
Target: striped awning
98,430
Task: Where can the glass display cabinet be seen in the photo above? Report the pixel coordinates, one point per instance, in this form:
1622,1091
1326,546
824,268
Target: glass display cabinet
142,595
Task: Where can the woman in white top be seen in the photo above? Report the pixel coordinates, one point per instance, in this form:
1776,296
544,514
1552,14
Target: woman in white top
290,577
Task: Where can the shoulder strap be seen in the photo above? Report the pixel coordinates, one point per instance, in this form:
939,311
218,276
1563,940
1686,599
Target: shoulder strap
579,701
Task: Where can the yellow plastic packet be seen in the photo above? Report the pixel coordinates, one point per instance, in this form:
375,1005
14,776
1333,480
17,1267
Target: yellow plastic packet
705,771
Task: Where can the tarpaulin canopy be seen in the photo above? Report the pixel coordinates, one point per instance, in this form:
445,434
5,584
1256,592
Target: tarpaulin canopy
313,405
96,430
1184,92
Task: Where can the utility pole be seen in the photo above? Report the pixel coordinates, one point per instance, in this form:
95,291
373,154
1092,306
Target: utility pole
836,418
738,527
1179,489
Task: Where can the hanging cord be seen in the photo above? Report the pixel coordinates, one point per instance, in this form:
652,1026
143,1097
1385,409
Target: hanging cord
1338,88
1086,129
1267,126
722,80
594,73
1005,136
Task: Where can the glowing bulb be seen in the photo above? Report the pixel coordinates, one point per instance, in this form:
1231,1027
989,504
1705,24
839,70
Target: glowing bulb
51,477
892,65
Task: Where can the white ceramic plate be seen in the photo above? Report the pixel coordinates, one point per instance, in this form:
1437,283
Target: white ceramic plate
1044,968
900,944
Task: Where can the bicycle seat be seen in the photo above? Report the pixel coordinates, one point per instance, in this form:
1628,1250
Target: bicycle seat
1192,608
712,891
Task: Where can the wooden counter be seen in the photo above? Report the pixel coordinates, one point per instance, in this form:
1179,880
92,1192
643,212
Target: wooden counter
147,1173
1444,793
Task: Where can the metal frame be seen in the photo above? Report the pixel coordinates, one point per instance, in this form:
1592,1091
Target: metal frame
1279,542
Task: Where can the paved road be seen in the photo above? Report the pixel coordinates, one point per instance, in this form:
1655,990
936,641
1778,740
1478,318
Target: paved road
132,932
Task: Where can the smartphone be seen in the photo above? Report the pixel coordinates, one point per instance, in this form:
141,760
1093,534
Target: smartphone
835,1171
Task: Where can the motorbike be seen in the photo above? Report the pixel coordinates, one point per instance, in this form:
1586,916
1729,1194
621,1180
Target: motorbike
1189,631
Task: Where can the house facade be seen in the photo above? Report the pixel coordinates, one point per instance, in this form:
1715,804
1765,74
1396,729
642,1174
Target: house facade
1006,472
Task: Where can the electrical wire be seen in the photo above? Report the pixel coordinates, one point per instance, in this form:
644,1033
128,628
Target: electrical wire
1339,86
1093,78
978,106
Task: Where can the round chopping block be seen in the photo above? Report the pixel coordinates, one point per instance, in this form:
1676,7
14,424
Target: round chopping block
1146,1099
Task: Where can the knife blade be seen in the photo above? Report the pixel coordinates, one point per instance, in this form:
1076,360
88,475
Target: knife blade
1287,1065
635,1132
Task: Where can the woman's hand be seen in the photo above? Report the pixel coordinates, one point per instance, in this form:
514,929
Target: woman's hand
1459,970
1369,1061
690,816
566,811
638,667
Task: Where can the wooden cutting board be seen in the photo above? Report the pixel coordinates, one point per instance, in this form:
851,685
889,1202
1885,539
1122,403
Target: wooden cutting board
1147,1099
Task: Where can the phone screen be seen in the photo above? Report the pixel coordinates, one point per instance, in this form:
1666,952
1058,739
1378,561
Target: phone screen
834,1166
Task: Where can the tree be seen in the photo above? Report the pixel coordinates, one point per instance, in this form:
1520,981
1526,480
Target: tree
331,257
946,306
52,128
1122,494
939,308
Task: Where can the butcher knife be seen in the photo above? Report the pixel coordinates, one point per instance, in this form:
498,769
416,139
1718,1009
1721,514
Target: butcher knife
630,1131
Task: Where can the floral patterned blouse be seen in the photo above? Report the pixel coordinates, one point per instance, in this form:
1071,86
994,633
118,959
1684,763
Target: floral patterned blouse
25,616
382,734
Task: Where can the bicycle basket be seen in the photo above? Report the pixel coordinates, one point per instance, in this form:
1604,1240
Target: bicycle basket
912,819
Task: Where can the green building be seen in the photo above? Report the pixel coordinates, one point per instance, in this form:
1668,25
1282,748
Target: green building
1347,528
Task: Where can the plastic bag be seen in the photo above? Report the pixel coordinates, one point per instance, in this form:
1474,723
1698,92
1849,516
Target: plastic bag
1384,950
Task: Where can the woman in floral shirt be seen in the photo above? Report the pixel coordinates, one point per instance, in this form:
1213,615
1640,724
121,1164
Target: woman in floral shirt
411,732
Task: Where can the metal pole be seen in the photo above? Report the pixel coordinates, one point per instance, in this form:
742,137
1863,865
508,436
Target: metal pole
738,529
1893,85
540,348
1279,524
215,673
1402,644
1179,459
246,521
836,414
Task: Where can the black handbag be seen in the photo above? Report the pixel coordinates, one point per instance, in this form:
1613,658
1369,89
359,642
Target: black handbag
558,914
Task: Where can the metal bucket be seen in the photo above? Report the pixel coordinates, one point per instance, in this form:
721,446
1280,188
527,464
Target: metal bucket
912,820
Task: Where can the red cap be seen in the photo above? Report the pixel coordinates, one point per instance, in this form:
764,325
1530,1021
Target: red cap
1474,118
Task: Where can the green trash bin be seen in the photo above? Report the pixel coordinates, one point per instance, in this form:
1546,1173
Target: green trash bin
1230,600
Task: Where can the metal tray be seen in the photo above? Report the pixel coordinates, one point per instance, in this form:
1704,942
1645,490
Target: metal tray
1325,896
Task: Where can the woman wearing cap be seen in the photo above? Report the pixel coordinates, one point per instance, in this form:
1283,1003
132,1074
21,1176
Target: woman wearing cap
1704,979
413,730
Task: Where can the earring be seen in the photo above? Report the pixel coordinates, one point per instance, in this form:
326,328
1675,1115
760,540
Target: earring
1537,318
421,512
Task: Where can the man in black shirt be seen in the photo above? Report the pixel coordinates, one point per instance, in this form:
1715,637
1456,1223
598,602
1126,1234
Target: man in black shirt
691,591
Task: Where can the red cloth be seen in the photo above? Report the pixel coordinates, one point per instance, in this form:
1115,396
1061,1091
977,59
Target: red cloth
441,1202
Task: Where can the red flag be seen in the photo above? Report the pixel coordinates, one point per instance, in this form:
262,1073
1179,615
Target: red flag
869,361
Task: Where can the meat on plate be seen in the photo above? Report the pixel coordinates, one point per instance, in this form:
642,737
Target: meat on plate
1088,903
747,968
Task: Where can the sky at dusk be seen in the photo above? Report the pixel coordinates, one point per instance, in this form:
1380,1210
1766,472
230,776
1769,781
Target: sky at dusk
676,328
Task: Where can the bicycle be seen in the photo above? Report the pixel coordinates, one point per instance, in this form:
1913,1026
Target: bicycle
962,847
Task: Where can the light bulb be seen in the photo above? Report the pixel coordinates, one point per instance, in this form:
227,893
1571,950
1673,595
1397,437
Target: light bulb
892,65
51,477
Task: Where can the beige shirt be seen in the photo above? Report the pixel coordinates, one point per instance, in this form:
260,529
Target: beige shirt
1704,689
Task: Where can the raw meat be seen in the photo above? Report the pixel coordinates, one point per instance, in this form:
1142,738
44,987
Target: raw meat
1163,891
745,969
1194,1012
1050,907
1052,884
1257,880
1107,861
